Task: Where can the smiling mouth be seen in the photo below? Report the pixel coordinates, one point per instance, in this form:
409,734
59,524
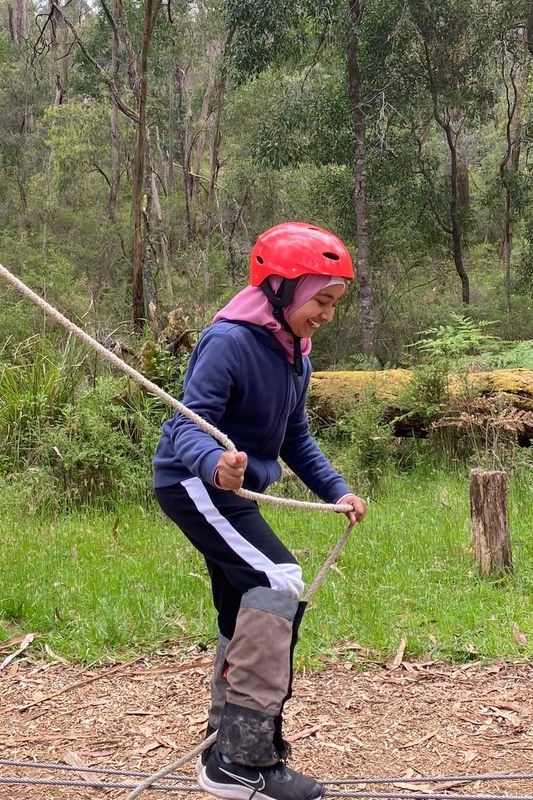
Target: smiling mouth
314,324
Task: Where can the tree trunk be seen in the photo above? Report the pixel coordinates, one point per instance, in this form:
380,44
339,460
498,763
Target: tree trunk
18,21
139,82
444,118
515,92
182,149
361,216
138,299
457,234
60,51
463,179
171,175
12,24
155,204
214,163
114,125
203,123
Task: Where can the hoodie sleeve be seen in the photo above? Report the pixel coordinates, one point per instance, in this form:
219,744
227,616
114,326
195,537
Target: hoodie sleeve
303,455
208,387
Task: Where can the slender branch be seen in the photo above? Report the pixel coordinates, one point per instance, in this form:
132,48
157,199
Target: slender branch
96,168
127,110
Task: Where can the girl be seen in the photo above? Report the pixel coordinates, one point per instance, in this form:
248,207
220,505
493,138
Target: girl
248,376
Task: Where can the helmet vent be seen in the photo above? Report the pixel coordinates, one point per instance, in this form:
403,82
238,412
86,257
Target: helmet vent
260,260
333,256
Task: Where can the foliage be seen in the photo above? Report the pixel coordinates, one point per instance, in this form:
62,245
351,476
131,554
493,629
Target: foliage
101,452
510,355
445,354
36,385
361,445
273,31
69,437
447,345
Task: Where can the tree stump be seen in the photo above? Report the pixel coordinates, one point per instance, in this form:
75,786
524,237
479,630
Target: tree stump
490,521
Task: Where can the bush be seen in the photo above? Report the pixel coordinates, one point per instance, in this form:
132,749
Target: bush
41,377
69,440
362,446
101,450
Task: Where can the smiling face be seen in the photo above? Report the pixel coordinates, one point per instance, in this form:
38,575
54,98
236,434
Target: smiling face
317,311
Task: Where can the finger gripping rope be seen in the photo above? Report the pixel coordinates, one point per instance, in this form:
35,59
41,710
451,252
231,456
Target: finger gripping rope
167,398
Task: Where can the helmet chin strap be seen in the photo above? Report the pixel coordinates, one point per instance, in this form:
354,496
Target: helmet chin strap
280,299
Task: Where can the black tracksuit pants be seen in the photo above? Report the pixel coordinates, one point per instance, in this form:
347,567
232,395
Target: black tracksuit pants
240,549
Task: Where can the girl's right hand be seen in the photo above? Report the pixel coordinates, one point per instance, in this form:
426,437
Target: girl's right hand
229,473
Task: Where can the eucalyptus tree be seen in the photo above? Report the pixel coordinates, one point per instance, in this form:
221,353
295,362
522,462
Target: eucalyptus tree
516,38
295,38
186,92
17,100
444,56
18,20
137,59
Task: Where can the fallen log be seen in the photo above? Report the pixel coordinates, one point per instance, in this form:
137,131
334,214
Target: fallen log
500,399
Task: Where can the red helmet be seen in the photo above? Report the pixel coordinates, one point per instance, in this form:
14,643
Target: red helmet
293,249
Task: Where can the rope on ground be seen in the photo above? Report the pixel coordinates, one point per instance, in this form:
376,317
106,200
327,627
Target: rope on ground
5,762
89,784
158,392
387,779
148,782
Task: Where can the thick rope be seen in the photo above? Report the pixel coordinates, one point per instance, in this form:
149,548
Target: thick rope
220,437
6,762
167,398
387,779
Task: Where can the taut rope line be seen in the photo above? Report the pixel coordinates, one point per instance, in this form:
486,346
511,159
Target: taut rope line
181,783
220,437
139,378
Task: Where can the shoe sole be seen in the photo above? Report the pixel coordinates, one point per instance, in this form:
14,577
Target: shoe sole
228,792
233,792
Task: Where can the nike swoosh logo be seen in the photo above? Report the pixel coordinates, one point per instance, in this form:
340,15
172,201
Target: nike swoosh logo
257,785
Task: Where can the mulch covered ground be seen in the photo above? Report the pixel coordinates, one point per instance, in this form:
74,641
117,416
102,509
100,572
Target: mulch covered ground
401,720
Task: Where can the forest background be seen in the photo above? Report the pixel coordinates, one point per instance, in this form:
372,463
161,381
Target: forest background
145,145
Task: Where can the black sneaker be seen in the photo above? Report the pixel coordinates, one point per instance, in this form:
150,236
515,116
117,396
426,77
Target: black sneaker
235,782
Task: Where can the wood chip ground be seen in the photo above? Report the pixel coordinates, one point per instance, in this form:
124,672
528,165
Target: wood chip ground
401,720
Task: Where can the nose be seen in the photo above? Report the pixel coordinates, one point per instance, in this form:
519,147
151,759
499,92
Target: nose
327,314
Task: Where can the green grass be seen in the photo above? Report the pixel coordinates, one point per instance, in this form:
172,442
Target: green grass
96,584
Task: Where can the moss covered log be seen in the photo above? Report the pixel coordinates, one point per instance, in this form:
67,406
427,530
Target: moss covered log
502,397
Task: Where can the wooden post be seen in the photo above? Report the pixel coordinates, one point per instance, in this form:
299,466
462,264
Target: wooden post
490,521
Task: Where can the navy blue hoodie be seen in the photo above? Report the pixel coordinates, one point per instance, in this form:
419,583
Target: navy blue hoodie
239,380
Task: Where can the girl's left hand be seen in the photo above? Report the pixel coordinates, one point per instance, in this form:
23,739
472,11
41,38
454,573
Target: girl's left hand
358,504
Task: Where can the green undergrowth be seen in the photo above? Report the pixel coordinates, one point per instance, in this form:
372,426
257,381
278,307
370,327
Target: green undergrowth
97,584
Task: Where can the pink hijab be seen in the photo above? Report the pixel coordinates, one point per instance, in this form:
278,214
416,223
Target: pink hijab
252,305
